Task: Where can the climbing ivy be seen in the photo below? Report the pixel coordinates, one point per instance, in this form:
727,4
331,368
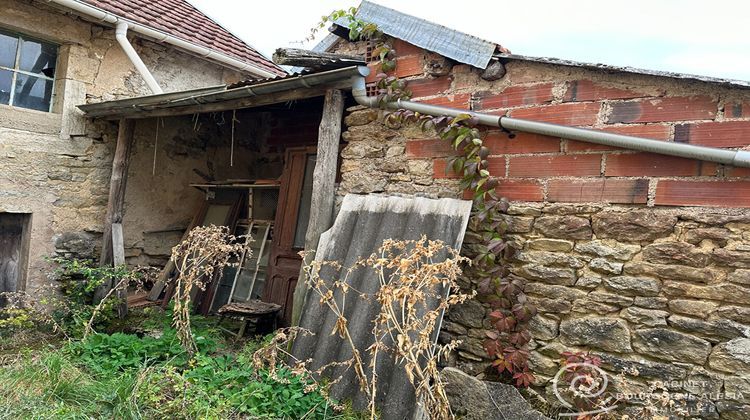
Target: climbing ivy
485,242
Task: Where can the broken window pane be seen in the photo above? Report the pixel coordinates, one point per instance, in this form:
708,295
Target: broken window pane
20,61
6,79
8,45
32,92
38,57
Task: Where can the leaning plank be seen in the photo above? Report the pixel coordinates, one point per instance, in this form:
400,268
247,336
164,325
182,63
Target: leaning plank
314,59
116,201
324,185
161,281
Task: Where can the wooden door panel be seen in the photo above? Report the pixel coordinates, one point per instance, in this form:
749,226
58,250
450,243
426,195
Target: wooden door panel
285,262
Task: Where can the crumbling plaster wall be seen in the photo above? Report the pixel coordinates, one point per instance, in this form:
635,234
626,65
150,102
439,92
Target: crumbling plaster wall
159,201
57,165
641,259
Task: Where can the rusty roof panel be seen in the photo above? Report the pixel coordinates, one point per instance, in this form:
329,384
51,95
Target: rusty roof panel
360,228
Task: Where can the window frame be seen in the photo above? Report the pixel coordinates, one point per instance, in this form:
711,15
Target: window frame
15,71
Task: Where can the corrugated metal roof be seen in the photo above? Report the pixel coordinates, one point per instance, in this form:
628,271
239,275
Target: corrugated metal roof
469,49
360,228
447,42
244,95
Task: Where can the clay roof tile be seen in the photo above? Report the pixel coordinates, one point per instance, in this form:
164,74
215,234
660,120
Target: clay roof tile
180,19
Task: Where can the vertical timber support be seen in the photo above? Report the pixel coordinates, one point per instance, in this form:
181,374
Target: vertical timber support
323,190
116,201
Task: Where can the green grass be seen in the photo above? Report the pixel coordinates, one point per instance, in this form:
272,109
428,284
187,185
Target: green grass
148,376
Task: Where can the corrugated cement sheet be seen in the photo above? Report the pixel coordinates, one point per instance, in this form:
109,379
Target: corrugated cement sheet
360,228
447,42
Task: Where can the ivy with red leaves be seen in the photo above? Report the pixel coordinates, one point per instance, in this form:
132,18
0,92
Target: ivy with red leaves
485,244
507,341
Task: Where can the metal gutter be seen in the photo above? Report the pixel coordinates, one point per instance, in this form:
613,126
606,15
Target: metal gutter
121,35
201,51
128,108
740,158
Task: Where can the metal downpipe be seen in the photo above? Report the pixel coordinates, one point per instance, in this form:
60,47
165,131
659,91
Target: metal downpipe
739,158
121,34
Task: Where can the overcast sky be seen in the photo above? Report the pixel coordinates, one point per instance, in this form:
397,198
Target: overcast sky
710,38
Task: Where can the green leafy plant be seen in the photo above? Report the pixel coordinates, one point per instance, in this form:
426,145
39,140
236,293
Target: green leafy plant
12,318
390,88
77,313
113,353
358,29
485,242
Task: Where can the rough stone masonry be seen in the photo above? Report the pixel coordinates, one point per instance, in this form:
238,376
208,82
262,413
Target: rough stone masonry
641,259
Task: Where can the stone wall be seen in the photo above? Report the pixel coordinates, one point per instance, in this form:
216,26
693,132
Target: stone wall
56,165
641,259
664,291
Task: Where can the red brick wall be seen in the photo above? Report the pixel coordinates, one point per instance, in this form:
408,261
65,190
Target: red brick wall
540,168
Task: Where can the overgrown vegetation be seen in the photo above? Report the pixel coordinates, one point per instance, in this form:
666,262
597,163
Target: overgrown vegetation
484,244
143,367
145,377
199,258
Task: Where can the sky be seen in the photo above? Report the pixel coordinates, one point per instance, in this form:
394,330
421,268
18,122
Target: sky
688,36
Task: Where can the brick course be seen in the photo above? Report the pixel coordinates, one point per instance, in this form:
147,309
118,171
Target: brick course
586,90
624,191
580,114
616,260
514,96
556,165
664,109
714,134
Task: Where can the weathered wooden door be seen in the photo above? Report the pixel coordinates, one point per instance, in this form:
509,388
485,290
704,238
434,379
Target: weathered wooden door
290,227
11,252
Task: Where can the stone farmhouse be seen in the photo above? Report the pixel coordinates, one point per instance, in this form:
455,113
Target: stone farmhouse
636,250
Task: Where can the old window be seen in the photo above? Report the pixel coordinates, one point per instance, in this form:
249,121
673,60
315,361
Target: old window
27,71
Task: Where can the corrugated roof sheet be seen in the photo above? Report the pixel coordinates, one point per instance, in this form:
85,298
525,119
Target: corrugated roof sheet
194,101
360,228
181,19
447,42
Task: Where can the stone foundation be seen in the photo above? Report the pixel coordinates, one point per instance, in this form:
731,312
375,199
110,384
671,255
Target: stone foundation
663,292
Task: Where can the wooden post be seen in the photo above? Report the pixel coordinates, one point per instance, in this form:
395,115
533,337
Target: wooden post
116,201
323,190
118,252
